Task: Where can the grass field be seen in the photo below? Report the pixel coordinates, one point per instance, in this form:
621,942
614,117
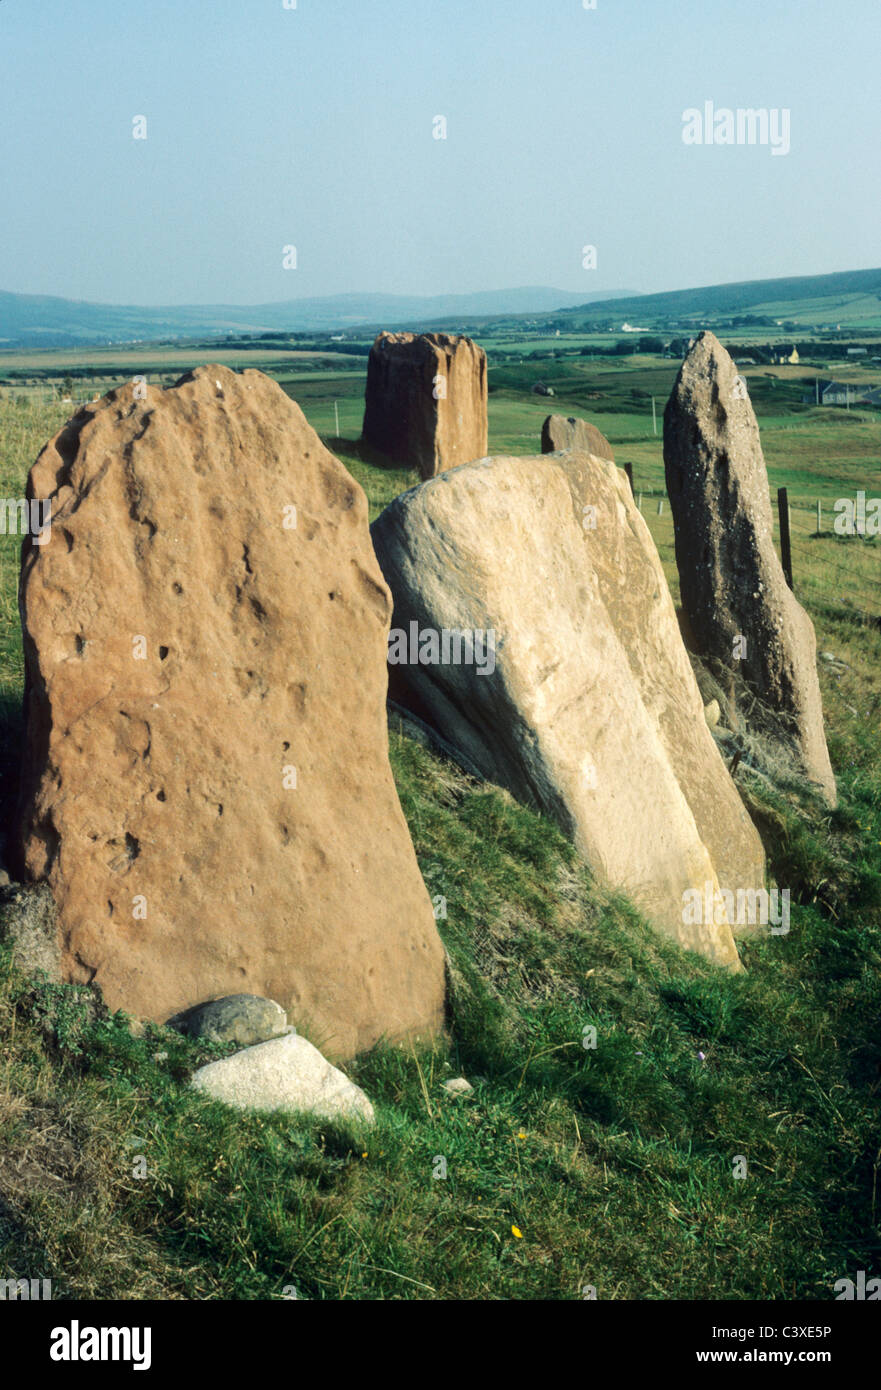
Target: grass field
568,1167
816,453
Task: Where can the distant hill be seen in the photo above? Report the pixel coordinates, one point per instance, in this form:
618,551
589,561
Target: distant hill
35,321
851,298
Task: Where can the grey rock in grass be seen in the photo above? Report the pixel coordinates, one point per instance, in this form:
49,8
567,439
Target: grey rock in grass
286,1074
458,1086
28,922
245,1019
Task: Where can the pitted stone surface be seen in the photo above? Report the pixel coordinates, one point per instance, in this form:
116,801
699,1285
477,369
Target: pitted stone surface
206,782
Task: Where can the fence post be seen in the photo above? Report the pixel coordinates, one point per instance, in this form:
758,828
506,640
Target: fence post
785,545
660,506
819,516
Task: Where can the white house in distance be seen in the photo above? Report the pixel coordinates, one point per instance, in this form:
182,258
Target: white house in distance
840,393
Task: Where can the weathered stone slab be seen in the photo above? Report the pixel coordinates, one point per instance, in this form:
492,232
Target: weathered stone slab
426,400
582,700
567,432
206,781
737,603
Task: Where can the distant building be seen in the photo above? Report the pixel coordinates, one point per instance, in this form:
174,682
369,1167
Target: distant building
857,352
780,356
836,393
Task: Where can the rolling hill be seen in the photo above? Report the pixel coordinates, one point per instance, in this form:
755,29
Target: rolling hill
851,298
34,321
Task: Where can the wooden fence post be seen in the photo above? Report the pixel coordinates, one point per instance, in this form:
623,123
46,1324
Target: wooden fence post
785,545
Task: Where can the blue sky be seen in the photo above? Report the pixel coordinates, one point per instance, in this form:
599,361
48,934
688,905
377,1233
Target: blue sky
313,127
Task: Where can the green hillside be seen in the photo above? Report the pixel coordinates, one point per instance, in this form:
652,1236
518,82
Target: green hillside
850,298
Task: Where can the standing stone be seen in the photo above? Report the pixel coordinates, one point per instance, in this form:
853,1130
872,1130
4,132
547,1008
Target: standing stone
206,784
567,432
426,400
534,629
735,596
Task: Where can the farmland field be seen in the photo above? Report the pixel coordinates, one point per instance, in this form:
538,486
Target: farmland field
818,453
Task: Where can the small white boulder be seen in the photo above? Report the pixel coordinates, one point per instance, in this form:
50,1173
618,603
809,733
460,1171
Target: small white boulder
286,1073
712,713
458,1086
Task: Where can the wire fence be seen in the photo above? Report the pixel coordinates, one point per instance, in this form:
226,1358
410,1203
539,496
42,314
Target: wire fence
827,568
843,572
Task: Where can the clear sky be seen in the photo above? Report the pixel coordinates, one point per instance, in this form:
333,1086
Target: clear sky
313,127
